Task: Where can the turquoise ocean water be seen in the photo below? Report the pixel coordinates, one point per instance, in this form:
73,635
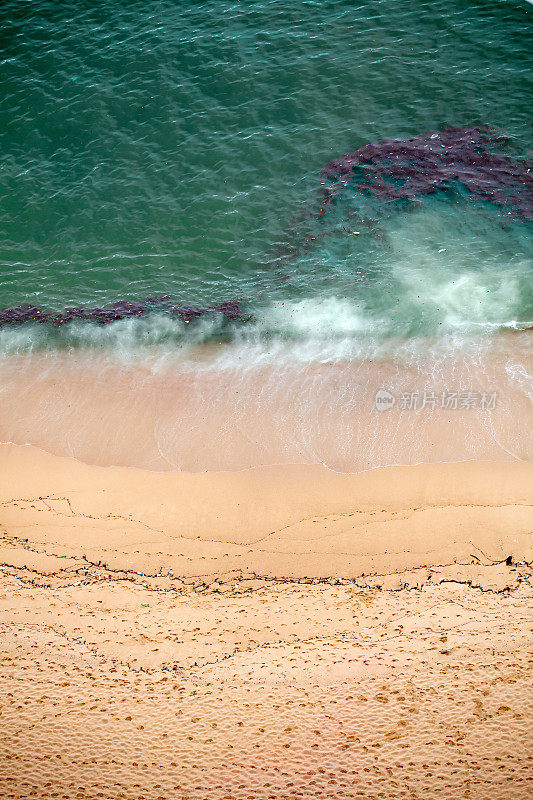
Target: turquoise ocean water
176,147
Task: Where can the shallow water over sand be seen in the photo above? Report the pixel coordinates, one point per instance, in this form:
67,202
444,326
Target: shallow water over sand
209,412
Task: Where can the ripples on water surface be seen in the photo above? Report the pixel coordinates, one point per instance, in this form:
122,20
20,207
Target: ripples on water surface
176,148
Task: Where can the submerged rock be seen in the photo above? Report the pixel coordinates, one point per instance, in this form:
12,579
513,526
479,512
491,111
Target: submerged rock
123,309
396,169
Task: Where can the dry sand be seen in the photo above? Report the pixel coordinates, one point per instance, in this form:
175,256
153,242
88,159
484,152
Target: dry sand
274,633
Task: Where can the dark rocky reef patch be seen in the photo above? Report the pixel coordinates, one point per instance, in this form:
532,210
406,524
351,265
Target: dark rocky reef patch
230,310
396,169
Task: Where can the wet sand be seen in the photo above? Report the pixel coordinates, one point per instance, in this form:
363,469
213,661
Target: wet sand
276,633
207,411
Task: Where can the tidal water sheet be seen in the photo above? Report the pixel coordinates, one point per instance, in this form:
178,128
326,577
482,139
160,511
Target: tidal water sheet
391,327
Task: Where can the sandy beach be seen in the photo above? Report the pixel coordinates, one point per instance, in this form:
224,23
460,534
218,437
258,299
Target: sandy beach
277,632
266,431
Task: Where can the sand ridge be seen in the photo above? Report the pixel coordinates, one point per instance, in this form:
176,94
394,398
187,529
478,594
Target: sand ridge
290,522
